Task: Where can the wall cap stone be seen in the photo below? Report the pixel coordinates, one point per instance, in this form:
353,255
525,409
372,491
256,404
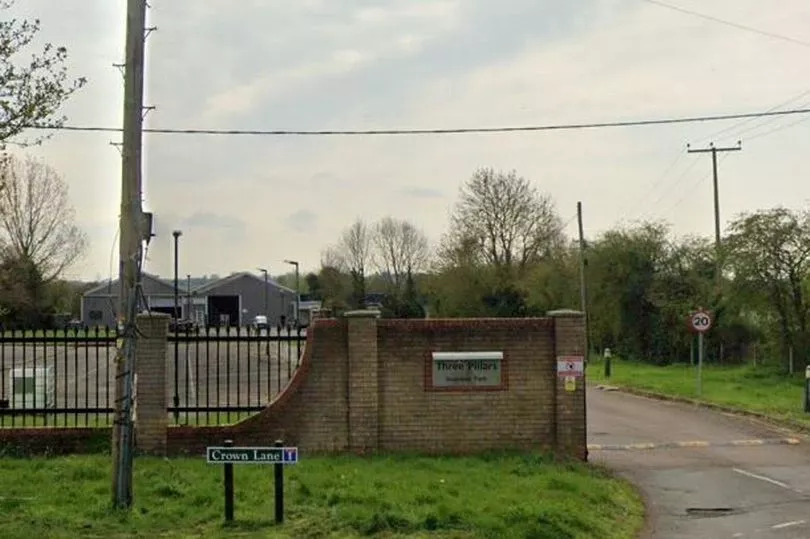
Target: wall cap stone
362,313
565,313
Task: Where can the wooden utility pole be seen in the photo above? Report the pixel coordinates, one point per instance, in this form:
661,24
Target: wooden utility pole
583,288
718,269
131,235
714,150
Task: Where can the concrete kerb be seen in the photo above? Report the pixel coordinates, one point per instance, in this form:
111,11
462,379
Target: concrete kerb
784,424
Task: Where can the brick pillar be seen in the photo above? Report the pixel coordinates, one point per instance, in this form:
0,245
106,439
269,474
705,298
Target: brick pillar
363,390
152,420
570,418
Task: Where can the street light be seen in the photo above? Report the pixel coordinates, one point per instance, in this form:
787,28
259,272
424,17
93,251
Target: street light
297,294
176,234
266,308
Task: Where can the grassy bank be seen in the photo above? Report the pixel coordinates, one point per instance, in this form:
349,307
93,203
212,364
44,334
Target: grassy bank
505,496
751,388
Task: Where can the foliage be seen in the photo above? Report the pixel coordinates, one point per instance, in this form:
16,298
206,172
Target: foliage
34,86
39,240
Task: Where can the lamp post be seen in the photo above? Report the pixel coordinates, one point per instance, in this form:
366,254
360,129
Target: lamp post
297,293
176,234
188,298
266,314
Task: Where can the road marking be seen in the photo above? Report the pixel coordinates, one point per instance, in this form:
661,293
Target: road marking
766,479
788,524
694,443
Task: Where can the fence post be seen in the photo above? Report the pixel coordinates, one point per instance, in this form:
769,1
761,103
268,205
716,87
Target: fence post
150,367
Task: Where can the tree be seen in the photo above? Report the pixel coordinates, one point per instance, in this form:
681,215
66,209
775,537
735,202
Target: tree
768,252
506,221
352,255
399,250
37,221
313,284
23,302
34,87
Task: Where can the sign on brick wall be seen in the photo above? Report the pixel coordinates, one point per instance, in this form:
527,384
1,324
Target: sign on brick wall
570,366
467,369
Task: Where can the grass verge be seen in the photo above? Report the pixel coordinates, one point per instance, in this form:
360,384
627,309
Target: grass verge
487,497
754,389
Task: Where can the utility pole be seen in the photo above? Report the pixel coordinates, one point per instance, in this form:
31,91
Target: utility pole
583,289
718,270
714,150
133,229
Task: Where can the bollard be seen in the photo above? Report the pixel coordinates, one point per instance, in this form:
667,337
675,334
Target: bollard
807,389
279,486
607,354
228,477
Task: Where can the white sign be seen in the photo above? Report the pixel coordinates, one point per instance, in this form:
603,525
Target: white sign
570,366
467,369
701,321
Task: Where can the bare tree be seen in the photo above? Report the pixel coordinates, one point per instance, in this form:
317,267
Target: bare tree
354,248
508,224
352,255
37,221
399,250
33,87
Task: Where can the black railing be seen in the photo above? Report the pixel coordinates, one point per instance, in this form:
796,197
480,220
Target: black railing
220,375
59,378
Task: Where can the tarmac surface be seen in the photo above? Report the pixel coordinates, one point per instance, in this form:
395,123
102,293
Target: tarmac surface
209,374
704,474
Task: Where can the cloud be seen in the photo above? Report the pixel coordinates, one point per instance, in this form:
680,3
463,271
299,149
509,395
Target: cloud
421,192
326,64
203,219
302,220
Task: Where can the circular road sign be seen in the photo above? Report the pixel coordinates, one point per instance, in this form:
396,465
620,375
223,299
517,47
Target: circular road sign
701,321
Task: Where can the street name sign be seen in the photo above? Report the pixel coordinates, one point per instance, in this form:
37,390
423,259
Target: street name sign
252,455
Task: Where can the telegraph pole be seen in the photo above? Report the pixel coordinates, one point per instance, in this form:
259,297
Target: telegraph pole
714,150
718,271
133,230
583,289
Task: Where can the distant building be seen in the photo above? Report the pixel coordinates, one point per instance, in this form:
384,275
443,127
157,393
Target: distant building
238,298
232,300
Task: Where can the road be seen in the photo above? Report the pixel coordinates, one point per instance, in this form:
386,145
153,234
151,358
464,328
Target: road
710,488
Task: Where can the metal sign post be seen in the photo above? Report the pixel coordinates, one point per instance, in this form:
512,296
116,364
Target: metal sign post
700,322
278,455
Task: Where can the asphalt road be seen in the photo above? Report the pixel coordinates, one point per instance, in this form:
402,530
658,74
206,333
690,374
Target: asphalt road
704,474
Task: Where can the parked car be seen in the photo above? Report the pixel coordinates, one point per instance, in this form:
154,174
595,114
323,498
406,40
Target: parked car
260,322
74,325
182,326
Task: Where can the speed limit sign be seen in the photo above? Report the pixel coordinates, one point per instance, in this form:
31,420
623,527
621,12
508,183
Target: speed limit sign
701,321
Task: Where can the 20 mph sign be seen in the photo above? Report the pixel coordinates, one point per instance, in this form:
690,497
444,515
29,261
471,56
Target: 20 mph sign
701,321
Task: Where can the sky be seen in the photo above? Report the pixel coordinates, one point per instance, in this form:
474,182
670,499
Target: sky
250,201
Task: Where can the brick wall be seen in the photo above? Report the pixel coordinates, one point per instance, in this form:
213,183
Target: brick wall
363,386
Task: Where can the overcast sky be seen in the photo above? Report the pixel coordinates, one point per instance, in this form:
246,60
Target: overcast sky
244,202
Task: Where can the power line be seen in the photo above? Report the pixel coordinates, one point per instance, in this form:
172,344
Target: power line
725,22
737,125
437,131
631,210
648,213
777,128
